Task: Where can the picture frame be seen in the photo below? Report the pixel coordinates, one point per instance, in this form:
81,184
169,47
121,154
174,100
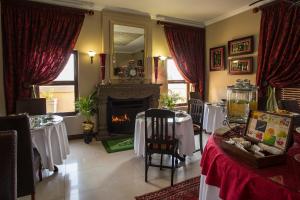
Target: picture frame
217,58
241,65
241,46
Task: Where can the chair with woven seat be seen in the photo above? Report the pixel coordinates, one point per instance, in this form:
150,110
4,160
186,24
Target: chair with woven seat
195,109
160,138
28,162
31,106
8,166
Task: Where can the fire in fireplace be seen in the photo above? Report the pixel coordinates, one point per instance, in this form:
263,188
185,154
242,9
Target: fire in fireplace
121,114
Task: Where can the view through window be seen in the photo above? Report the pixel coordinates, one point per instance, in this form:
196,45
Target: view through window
176,83
63,91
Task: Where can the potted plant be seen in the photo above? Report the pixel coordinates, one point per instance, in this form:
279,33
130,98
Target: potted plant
86,106
169,100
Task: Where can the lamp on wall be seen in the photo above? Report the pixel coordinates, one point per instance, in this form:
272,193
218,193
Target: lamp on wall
102,67
92,55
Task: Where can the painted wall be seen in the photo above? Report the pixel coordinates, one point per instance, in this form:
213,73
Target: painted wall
219,34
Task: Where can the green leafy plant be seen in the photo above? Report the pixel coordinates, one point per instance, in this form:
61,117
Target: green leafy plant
169,100
86,106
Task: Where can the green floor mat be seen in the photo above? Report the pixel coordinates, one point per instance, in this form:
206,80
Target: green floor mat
118,144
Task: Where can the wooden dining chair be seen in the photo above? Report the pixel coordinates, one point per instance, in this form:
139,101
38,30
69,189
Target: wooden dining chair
32,106
195,109
160,139
8,166
28,162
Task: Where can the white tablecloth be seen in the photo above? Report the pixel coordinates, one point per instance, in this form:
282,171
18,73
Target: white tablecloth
208,192
183,132
52,143
213,117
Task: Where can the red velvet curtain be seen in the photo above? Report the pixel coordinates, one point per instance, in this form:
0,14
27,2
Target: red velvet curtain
37,42
187,46
279,48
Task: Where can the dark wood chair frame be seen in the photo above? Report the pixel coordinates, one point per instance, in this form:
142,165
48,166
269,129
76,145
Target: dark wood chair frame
159,141
195,109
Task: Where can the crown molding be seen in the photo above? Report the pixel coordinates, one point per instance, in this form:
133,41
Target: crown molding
178,21
235,12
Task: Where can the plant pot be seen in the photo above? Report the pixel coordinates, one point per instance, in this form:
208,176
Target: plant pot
88,128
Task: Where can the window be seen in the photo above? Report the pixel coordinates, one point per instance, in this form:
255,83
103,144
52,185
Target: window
290,94
63,91
176,83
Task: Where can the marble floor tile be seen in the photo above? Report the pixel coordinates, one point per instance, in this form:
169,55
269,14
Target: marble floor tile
90,173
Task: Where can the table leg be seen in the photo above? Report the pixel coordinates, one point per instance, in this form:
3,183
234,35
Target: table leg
55,168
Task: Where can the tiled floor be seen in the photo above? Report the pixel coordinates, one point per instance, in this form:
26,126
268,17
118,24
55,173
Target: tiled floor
90,173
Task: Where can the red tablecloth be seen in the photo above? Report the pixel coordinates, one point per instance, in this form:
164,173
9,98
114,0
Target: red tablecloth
239,181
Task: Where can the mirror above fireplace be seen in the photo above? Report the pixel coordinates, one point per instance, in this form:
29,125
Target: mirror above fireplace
128,52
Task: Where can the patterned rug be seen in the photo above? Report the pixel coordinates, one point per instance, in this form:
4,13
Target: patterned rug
186,190
118,144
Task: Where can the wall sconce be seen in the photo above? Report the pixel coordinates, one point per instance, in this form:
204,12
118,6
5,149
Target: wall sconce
92,55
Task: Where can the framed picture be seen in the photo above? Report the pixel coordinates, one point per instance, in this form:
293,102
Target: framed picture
241,46
217,58
241,65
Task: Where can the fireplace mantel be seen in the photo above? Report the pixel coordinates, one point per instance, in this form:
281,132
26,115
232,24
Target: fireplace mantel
122,91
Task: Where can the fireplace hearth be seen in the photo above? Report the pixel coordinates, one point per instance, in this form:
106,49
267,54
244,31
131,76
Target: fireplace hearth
121,113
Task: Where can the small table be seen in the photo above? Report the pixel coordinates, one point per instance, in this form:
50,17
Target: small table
222,177
213,117
51,140
184,132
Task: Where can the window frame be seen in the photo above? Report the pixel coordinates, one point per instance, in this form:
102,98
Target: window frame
178,81
73,83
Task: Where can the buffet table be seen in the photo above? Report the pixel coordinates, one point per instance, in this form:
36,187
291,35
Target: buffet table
183,132
50,139
222,177
213,117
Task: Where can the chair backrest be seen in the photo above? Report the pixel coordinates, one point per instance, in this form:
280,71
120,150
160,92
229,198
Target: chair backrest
25,172
195,109
8,166
160,130
31,106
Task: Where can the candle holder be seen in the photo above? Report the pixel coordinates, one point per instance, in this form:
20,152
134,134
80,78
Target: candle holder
155,67
102,67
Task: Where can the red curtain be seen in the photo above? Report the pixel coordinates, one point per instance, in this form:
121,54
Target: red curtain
37,42
187,46
279,48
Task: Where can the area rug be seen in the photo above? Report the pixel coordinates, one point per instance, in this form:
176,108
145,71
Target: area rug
118,144
186,190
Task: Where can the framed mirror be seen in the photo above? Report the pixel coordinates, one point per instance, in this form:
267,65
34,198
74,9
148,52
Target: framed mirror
128,55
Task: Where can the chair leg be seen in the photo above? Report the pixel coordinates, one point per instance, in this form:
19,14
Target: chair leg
33,196
161,159
201,142
146,168
172,170
40,172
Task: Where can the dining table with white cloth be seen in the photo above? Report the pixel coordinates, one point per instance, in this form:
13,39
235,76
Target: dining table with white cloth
213,117
51,140
183,132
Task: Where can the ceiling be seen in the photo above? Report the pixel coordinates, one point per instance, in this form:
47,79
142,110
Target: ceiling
194,11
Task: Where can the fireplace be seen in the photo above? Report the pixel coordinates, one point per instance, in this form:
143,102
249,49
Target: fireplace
121,113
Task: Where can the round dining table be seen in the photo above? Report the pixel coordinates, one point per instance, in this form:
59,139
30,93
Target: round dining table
183,132
213,117
49,136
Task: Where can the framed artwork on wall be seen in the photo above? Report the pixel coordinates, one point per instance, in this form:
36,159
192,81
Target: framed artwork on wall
217,58
241,46
241,65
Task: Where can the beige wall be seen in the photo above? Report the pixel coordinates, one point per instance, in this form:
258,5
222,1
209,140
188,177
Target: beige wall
160,48
219,34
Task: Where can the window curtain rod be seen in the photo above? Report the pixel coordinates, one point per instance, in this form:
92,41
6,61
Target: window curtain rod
259,8
170,24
